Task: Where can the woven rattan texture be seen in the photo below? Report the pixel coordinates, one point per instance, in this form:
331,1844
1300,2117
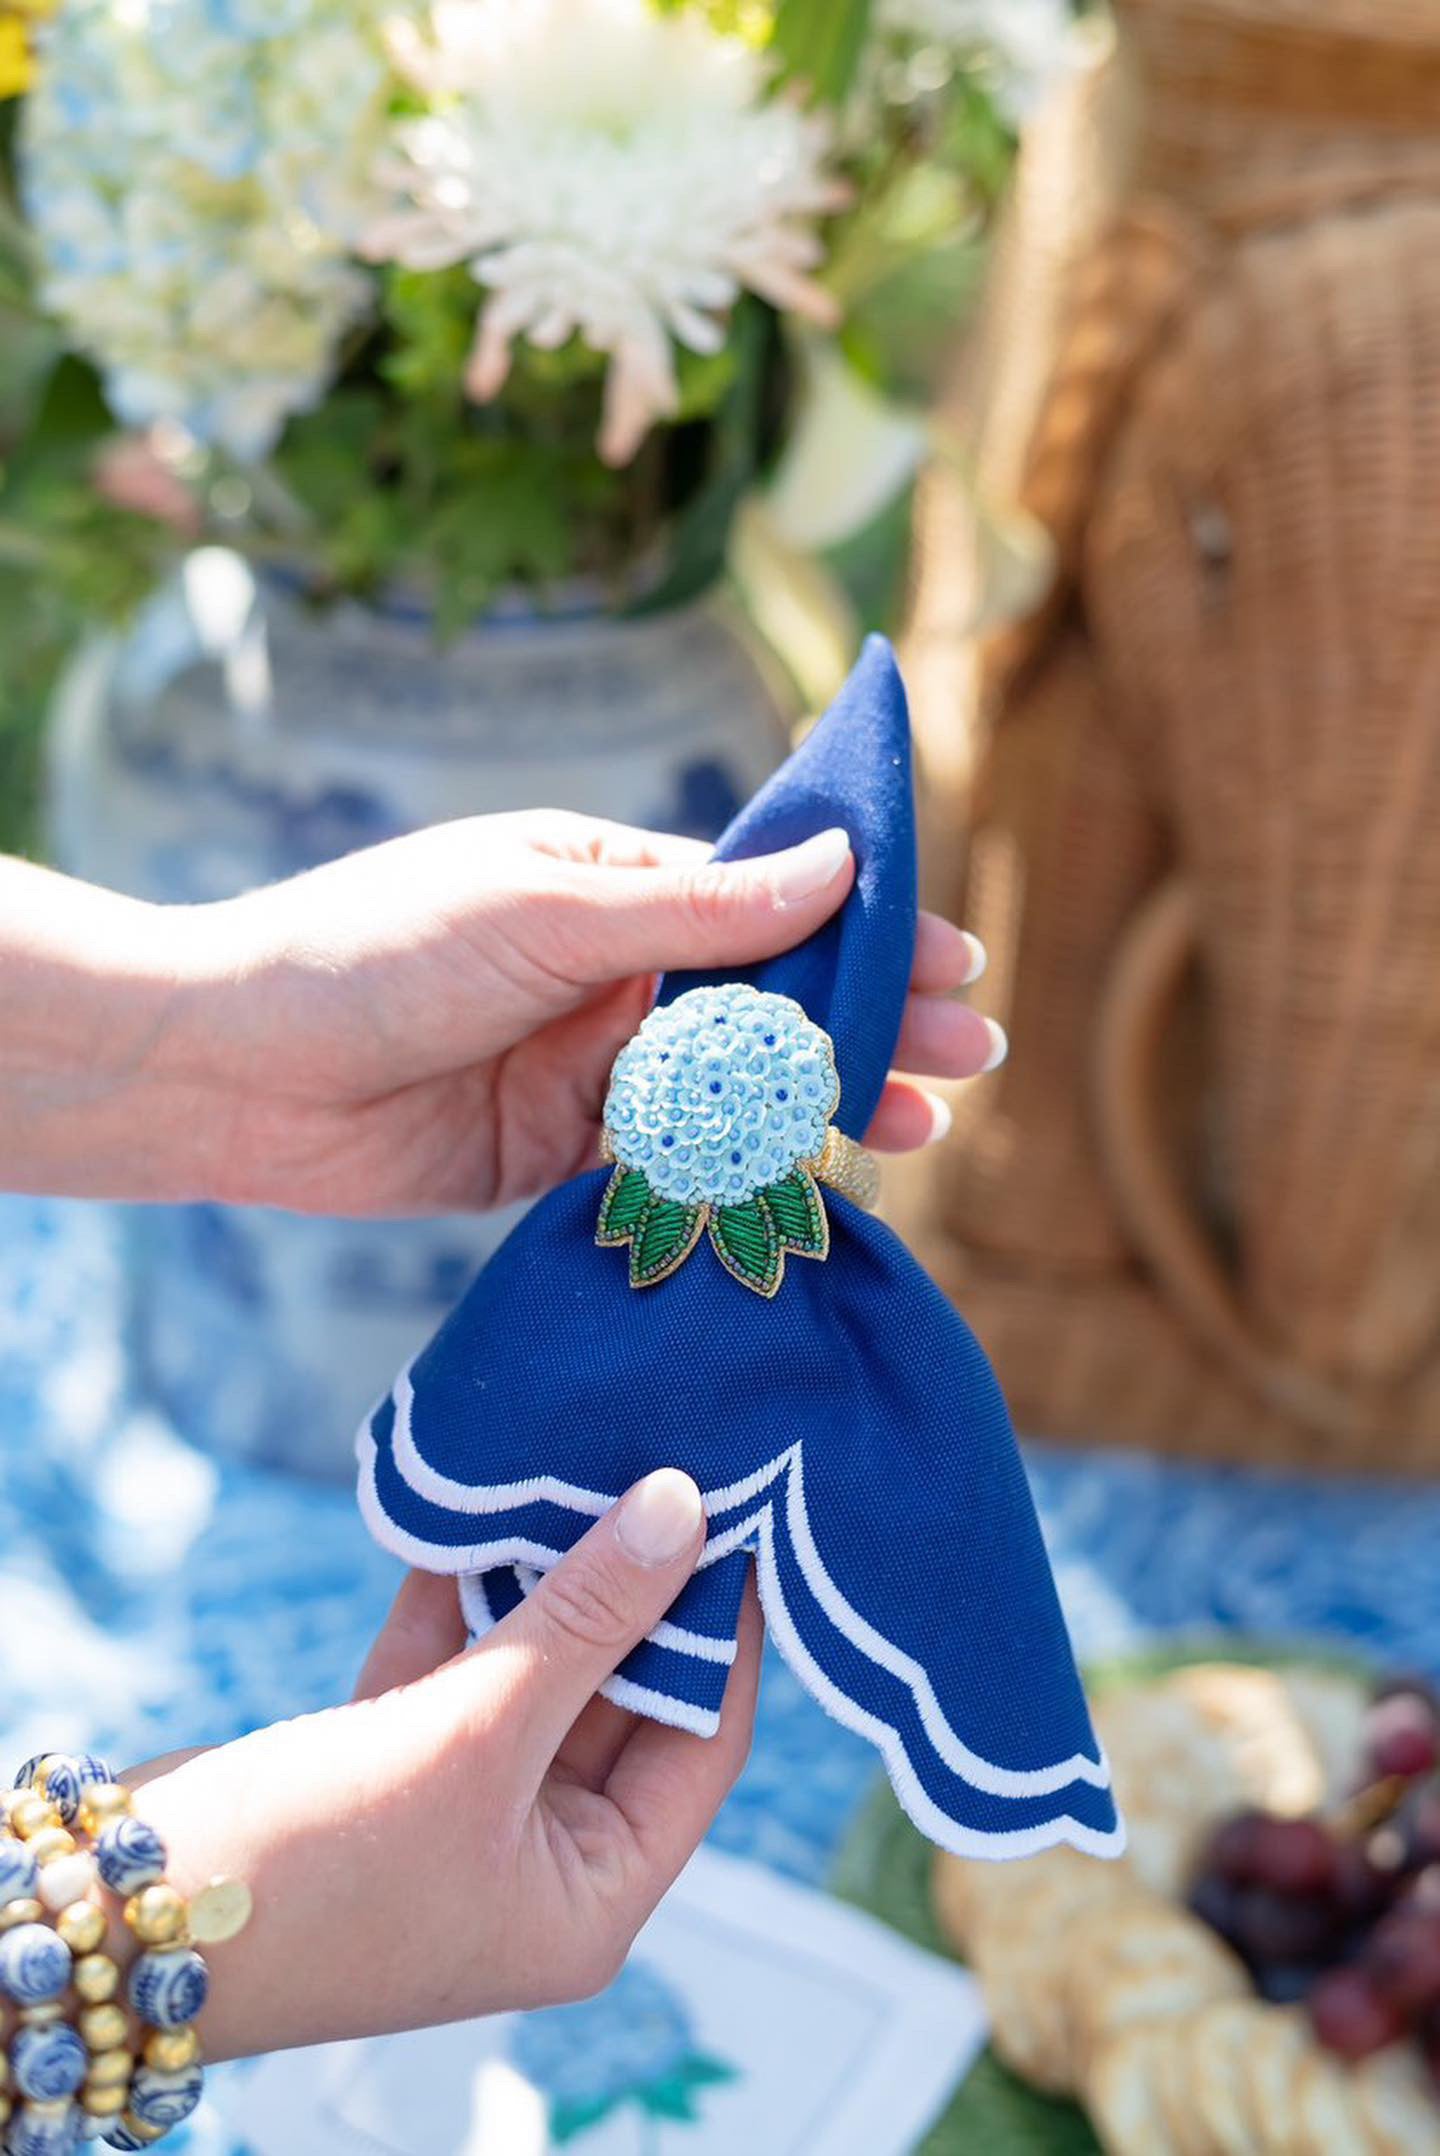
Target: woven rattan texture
1200,1207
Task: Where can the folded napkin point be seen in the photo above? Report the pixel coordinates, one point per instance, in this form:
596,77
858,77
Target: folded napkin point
847,1432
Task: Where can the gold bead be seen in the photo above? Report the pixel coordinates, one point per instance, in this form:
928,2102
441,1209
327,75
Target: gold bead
105,2103
82,1926
142,2132
170,2051
156,1914
23,1911
110,2070
32,1814
100,1801
5,2110
36,2017
103,2027
51,1842
95,1978
4,2069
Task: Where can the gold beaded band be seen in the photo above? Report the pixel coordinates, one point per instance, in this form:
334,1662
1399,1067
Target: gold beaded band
73,2057
848,1168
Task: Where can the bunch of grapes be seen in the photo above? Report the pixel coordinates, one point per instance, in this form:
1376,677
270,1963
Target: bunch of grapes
1343,1913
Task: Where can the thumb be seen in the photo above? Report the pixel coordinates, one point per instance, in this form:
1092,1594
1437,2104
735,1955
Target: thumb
553,1653
605,923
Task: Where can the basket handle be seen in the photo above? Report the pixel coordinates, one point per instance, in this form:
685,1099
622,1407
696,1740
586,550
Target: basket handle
1159,947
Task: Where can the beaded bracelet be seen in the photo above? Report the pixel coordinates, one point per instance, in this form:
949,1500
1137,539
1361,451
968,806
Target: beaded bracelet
71,2075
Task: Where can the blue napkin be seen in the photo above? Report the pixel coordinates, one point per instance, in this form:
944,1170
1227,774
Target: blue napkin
849,1435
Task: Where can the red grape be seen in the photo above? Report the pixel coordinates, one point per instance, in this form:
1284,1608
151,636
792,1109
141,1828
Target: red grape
1234,1845
1283,1927
1350,2017
1294,1856
1402,1735
1402,1958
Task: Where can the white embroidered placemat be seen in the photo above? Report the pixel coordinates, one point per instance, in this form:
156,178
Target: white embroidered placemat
753,2015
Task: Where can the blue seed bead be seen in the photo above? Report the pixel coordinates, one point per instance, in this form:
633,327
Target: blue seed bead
49,2062
34,1964
119,2136
168,1989
158,2099
44,2133
129,1855
19,1873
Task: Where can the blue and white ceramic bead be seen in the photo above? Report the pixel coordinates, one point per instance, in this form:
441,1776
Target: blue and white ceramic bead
129,1855
69,1772
168,1987
34,1964
161,2099
48,2130
19,1873
48,2062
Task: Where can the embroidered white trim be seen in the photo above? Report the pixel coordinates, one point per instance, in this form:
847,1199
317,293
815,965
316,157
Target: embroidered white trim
465,1497
983,1774
480,1618
938,1826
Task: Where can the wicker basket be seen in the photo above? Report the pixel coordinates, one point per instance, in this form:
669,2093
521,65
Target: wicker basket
1200,1207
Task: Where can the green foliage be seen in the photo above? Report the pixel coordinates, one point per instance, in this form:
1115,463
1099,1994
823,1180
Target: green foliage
819,44
747,1243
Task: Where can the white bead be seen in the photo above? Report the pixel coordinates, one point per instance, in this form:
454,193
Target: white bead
66,1879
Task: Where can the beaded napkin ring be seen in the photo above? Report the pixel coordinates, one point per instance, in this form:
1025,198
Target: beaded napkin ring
719,1115
71,2075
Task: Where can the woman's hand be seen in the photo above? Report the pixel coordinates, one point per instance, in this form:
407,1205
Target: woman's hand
424,1026
476,1830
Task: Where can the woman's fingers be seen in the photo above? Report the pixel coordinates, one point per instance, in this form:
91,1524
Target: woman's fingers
550,1657
668,1785
596,923
940,1038
907,1118
424,1629
946,957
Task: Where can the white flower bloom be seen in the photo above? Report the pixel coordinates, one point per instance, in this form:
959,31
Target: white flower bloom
1031,40
196,172
607,173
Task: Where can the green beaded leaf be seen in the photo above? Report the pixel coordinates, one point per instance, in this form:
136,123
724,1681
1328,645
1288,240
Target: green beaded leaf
798,1211
663,1238
747,1243
626,1196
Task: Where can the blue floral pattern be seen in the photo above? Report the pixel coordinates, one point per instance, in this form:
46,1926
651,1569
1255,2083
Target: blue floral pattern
632,2045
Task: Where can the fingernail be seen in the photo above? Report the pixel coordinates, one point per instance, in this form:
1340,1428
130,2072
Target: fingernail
660,1517
941,1118
804,870
999,1046
979,957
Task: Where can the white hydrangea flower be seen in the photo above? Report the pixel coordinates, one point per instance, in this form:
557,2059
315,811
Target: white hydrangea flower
606,172
1032,41
722,1093
196,173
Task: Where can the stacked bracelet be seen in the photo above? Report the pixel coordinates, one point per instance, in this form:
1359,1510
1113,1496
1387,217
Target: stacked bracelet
75,2071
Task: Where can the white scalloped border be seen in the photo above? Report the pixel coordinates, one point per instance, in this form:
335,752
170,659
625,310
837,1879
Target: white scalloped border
757,1527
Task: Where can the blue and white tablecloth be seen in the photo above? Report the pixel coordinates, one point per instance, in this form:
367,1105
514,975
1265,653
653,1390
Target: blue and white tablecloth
149,1599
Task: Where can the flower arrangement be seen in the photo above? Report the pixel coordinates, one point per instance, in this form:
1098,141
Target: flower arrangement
462,296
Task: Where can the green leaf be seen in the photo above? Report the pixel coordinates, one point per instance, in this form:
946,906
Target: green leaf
666,1234
626,1196
698,2070
747,1244
669,2099
796,1207
819,43
569,2120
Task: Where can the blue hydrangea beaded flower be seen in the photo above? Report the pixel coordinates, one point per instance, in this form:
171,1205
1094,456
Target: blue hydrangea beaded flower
717,1114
